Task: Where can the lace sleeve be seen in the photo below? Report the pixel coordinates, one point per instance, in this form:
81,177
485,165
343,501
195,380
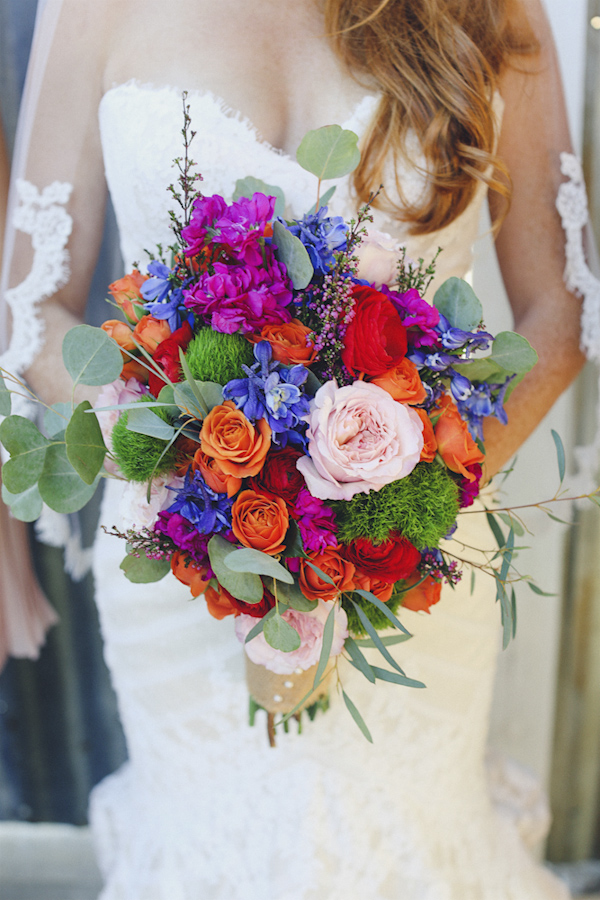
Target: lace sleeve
573,209
42,216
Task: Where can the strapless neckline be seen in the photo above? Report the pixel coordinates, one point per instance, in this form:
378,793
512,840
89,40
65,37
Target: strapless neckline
362,112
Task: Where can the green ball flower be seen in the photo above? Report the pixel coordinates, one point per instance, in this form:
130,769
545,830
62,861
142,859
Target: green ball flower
217,357
138,455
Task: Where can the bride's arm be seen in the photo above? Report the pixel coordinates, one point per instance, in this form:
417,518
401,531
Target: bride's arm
531,242
59,143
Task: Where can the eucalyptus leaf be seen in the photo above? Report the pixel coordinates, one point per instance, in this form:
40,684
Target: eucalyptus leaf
291,595
242,586
246,187
293,541
396,678
191,382
258,628
56,419
187,400
457,301
359,659
142,420
484,369
60,486
322,575
513,603
85,445
370,629
324,200
166,397
387,639
27,448
560,454
357,716
329,152
325,646
257,563
280,635
512,523
212,393
496,530
539,591
372,598
293,254
312,383
5,402
513,353
91,356
143,570
26,506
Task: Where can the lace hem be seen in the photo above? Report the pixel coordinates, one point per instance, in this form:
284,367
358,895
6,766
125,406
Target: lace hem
43,216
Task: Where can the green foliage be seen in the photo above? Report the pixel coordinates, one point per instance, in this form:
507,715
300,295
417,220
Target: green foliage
329,152
85,446
377,618
422,506
27,448
294,256
241,585
456,300
212,356
60,486
5,402
246,187
280,635
140,569
91,356
138,454
27,506
256,562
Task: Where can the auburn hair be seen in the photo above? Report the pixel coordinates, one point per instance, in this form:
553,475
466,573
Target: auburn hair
436,64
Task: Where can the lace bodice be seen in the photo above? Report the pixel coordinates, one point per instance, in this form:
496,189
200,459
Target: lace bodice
205,810
141,135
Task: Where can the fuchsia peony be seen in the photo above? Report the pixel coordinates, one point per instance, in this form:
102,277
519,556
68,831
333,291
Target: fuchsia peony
309,626
360,439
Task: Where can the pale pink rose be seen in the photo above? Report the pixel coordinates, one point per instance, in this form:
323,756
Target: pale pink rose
378,255
136,512
309,626
118,391
360,439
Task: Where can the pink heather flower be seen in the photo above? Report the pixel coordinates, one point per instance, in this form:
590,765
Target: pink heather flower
309,626
242,298
112,394
377,256
360,439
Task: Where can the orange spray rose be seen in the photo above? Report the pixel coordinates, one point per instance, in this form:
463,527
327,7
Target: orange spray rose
238,446
455,445
260,522
341,571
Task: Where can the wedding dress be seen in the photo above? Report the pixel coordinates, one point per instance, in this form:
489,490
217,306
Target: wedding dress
205,809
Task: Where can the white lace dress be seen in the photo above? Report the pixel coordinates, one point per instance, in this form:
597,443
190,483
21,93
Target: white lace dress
204,809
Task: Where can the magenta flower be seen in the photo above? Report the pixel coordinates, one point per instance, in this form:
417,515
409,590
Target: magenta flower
242,298
206,211
316,522
417,316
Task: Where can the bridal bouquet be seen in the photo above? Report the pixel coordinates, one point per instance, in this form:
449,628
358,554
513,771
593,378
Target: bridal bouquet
296,425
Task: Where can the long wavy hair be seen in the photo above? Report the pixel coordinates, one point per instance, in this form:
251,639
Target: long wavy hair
436,64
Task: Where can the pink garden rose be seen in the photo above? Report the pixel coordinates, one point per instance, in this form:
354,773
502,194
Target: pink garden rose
377,256
360,439
135,509
309,625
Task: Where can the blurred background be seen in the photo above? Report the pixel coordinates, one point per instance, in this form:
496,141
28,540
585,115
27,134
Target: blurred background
59,727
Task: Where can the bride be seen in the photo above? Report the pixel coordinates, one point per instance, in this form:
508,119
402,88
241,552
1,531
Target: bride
450,98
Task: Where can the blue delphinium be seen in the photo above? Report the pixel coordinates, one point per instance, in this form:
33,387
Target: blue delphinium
163,301
322,235
207,510
481,401
456,339
273,392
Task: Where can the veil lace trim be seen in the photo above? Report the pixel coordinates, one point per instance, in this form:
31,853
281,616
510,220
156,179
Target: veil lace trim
44,217
572,206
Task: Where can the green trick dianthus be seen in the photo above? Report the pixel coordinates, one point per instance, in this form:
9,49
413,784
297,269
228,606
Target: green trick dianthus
422,506
137,454
213,356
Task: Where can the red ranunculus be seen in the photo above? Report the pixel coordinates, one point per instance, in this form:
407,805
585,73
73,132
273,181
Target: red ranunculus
376,338
167,357
389,561
223,600
279,476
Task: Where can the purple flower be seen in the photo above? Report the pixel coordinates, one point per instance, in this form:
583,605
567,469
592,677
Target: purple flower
322,235
455,338
417,315
316,522
242,298
184,535
206,510
238,226
206,211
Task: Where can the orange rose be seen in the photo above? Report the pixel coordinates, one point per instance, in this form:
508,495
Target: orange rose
218,603
260,522
423,595
429,442
214,476
134,369
238,446
126,291
289,343
403,382
121,333
455,445
150,332
383,590
186,570
341,571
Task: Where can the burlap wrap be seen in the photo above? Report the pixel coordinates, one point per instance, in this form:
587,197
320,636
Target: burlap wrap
281,693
